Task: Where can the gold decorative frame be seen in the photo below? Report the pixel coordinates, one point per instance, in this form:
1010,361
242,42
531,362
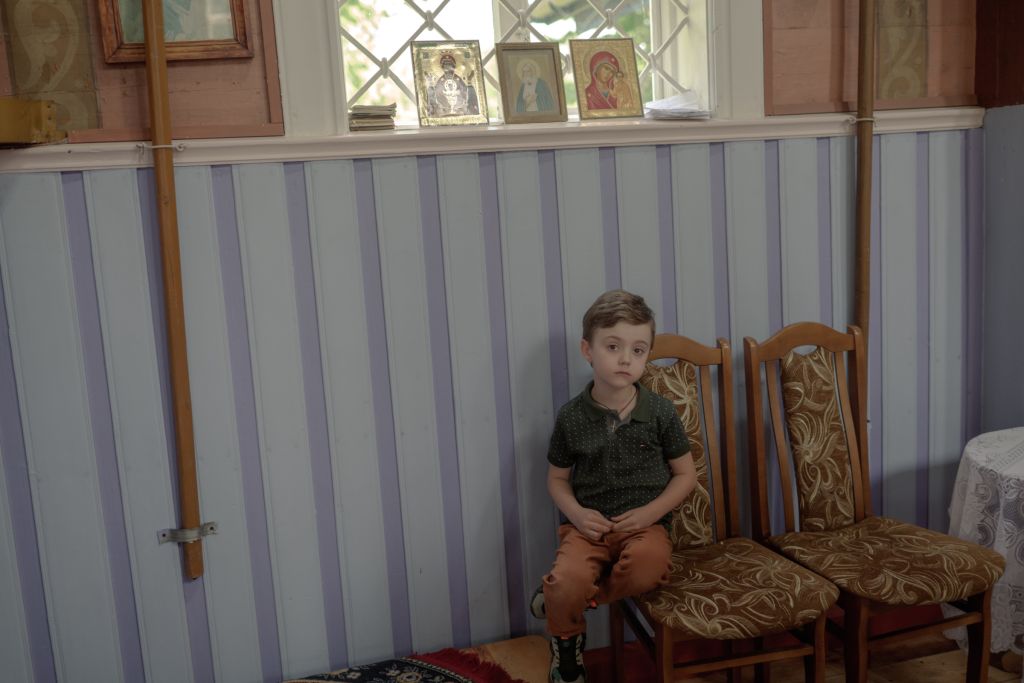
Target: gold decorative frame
547,64
116,48
466,69
624,98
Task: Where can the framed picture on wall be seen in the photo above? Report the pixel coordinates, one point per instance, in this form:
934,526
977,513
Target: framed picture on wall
193,29
532,86
607,85
449,79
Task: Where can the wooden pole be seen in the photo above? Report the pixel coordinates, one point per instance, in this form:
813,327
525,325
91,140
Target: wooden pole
865,130
167,214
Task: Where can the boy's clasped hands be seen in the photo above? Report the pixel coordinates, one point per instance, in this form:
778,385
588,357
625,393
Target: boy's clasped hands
594,525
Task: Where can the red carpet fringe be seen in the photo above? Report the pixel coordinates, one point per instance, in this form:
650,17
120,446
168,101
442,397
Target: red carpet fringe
467,664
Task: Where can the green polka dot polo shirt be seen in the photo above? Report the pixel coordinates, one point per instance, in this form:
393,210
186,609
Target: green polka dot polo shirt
618,467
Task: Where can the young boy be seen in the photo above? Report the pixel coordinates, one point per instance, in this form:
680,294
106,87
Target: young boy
619,464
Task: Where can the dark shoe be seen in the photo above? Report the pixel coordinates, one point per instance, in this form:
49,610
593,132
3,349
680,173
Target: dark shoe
537,603
567,659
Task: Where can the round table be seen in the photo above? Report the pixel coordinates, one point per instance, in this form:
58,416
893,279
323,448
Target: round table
988,508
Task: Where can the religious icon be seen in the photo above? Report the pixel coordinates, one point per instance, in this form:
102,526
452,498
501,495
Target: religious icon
531,82
607,85
449,83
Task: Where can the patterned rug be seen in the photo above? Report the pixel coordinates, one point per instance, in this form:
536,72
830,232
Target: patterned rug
444,666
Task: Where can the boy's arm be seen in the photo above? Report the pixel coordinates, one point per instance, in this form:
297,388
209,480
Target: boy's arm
590,523
684,478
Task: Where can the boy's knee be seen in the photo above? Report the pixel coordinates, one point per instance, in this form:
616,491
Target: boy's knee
654,552
650,561
661,556
569,578
652,564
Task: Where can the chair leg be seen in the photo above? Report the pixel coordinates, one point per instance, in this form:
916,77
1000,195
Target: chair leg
762,671
617,637
814,664
855,639
663,659
979,638
735,674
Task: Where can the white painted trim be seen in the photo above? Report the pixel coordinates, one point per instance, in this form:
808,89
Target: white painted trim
736,60
458,139
309,63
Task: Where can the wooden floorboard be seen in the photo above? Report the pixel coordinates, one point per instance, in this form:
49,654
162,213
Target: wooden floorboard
930,658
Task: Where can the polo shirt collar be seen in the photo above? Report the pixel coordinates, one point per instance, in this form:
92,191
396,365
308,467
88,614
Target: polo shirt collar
641,411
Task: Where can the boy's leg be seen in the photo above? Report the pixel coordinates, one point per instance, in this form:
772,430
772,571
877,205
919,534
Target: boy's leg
644,562
572,581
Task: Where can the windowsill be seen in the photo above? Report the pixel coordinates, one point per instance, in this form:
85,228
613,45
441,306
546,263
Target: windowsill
471,139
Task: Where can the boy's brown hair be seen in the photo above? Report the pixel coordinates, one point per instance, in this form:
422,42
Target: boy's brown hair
613,307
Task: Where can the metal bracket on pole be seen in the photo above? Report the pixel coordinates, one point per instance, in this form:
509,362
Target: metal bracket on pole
187,535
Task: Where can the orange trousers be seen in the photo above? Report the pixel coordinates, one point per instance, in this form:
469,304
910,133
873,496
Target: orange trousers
619,565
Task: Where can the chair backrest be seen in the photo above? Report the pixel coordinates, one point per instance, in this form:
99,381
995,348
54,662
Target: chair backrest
709,513
818,413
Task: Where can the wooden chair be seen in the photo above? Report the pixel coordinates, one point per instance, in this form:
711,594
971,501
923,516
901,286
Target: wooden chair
722,587
818,408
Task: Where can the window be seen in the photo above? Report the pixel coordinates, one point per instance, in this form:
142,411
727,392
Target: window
670,38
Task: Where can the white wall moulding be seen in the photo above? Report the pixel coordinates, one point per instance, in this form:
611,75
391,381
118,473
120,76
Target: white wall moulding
499,138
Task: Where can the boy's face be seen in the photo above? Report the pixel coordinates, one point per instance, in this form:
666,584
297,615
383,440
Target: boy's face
618,354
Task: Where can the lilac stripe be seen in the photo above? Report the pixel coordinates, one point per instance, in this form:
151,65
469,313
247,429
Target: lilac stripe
774,241
610,212
719,240
825,230
557,342
387,461
316,414
444,402
245,415
875,332
194,591
923,330
773,224
102,423
502,395
667,236
154,274
974,156
14,463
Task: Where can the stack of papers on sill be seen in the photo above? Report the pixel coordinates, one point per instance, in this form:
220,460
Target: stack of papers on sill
682,106
372,117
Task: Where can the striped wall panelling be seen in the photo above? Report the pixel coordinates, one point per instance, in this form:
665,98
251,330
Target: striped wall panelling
377,351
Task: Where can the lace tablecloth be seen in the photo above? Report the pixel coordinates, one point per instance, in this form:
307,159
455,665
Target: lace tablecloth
988,508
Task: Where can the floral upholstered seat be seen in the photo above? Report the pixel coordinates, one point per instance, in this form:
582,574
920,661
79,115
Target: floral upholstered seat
895,563
737,589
